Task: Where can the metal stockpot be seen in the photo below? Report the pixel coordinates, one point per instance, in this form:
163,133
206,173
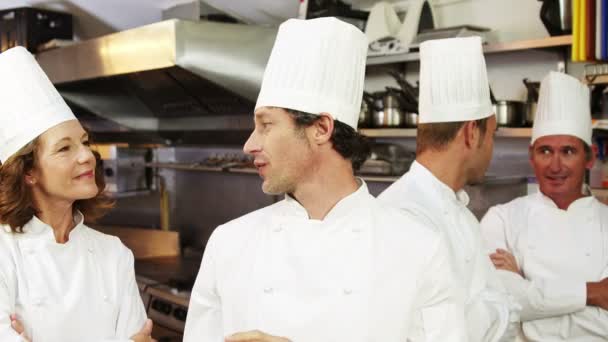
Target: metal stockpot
509,113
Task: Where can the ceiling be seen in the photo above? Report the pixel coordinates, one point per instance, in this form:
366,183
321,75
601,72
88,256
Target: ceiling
94,18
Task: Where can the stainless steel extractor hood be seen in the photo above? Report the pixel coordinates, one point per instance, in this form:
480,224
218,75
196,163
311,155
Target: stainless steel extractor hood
177,81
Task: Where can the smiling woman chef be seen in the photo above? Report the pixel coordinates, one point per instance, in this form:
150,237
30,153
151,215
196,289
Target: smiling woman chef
60,281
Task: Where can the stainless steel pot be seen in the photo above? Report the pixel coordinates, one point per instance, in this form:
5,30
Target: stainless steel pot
530,110
367,108
509,113
411,119
389,113
388,117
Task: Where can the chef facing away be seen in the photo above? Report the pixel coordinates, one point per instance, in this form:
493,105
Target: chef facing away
453,148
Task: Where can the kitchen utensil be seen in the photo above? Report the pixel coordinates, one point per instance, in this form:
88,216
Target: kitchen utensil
509,113
411,119
388,159
367,108
389,117
531,101
556,15
388,110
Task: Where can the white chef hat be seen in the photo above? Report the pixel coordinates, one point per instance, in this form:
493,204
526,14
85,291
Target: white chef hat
30,103
453,81
316,66
563,108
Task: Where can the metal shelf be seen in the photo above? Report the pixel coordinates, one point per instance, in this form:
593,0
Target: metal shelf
506,132
543,43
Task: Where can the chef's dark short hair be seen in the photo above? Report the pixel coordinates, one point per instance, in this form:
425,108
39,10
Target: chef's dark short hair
347,141
16,202
437,135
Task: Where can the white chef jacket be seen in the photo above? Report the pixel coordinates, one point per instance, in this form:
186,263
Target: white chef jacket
83,290
490,314
559,251
363,273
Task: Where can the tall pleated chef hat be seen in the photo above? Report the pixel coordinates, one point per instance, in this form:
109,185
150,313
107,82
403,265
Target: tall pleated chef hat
30,103
316,66
563,108
453,81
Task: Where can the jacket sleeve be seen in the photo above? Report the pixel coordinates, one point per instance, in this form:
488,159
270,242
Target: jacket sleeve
492,315
204,321
541,298
7,307
131,314
439,315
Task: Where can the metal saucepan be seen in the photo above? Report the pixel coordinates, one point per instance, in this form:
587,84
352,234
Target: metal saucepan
390,113
367,109
509,113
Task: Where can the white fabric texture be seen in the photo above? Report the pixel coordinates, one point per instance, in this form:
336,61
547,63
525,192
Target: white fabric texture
364,273
83,290
30,103
489,312
563,108
558,251
316,66
453,81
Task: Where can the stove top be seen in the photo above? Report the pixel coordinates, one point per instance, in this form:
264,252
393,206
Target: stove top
165,285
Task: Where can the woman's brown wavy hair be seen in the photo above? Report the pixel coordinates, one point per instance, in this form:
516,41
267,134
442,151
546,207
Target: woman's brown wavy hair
16,203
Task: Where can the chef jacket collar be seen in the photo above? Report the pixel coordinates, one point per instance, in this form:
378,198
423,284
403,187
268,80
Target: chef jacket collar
342,209
582,203
36,229
436,187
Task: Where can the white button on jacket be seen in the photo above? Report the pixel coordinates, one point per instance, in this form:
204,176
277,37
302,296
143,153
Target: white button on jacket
559,251
489,314
364,273
83,290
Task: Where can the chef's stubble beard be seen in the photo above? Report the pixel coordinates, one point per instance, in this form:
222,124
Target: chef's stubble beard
286,181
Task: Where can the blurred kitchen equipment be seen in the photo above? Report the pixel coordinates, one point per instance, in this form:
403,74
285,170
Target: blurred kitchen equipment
410,93
31,27
556,15
388,34
391,113
367,109
388,160
125,169
333,8
531,101
509,113
461,31
409,99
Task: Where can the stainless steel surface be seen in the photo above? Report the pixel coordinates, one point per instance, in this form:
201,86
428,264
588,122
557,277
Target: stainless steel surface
533,89
125,170
173,76
509,113
388,117
530,113
411,119
365,114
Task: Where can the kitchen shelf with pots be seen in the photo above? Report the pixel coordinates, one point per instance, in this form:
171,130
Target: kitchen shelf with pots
505,132
247,170
542,43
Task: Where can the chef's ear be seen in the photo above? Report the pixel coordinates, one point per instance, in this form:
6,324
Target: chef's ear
323,128
591,156
471,133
